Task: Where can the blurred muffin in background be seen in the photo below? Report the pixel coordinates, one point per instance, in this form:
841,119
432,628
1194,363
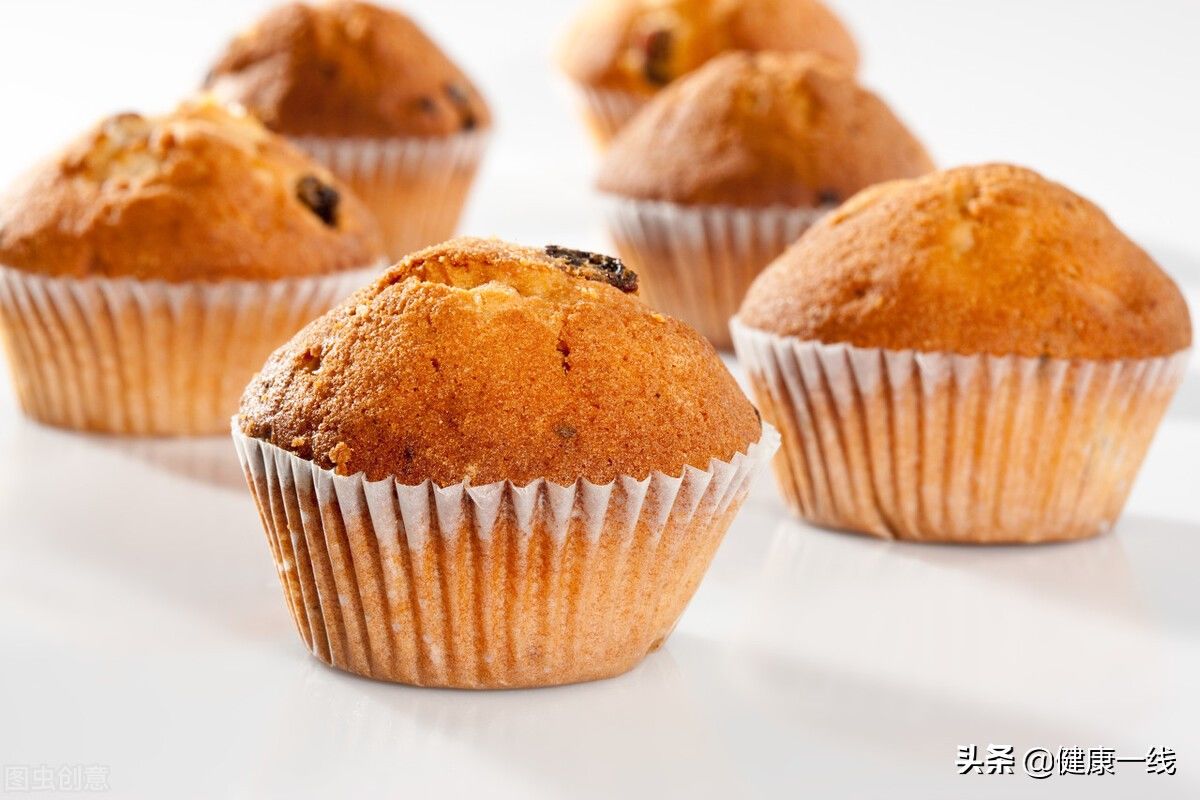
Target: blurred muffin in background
364,91
978,355
620,53
522,471
148,269
727,167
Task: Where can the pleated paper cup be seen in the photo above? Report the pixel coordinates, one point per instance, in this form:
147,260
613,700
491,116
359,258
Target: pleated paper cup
490,586
606,111
415,187
951,448
127,356
697,262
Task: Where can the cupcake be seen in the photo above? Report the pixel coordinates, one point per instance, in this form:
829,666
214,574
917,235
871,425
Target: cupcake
495,467
148,269
620,53
727,167
977,355
365,92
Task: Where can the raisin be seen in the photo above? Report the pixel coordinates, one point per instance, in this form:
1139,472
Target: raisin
469,121
595,267
829,197
457,94
462,101
564,350
320,198
657,64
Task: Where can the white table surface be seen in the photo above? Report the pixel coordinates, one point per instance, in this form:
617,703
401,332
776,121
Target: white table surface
142,628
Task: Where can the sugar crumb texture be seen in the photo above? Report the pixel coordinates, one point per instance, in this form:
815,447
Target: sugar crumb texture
991,259
484,361
202,193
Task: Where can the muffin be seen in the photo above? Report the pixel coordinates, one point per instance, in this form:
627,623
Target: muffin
148,269
620,53
495,467
977,355
727,167
368,94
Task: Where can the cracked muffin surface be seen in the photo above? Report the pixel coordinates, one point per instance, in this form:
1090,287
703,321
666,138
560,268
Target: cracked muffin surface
346,68
639,46
483,361
759,130
985,259
199,194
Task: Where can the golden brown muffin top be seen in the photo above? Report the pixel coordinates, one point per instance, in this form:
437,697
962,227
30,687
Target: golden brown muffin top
484,361
761,129
640,46
199,194
346,68
989,259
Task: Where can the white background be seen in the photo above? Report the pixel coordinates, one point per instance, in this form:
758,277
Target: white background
141,625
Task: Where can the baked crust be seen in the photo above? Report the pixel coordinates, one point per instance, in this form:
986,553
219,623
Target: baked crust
199,194
346,68
482,361
761,129
985,259
639,46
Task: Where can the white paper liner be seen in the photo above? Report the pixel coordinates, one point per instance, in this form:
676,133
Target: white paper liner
606,111
148,357
416,187
943,447
495,585
697,262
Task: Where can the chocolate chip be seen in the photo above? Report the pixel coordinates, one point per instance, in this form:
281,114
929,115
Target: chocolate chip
657,64
595,267
320,198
